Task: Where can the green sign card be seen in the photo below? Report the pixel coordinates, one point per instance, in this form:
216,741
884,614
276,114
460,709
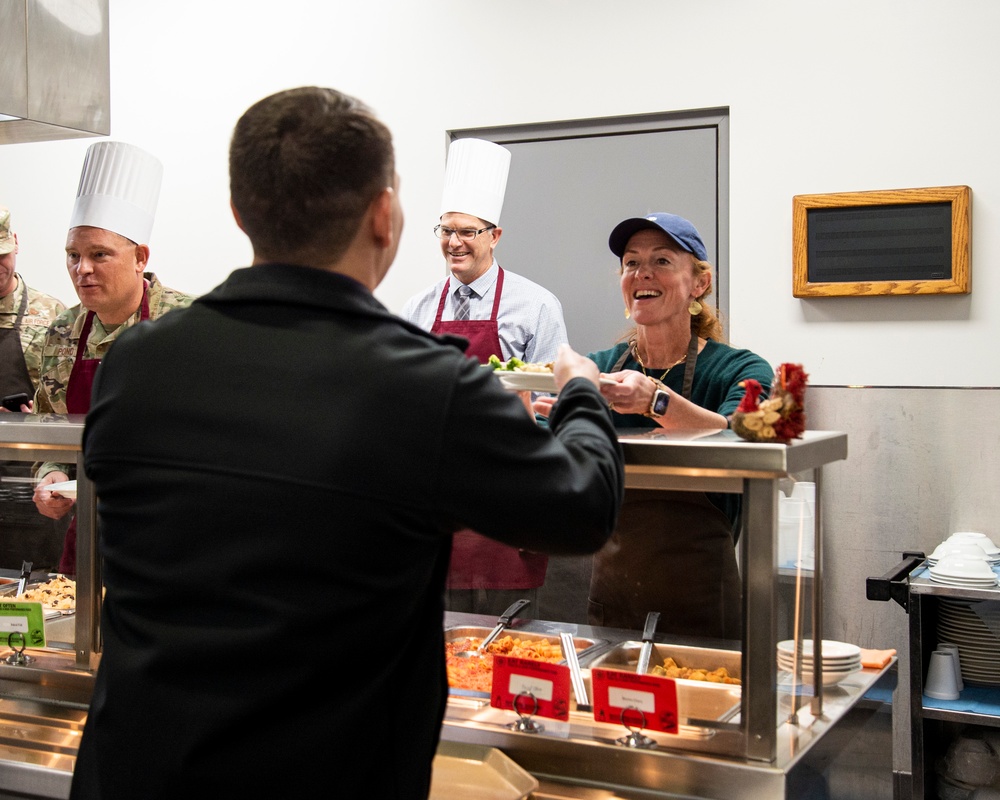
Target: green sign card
22,625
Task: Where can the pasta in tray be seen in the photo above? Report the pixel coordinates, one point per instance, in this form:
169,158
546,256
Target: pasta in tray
477,673
57,593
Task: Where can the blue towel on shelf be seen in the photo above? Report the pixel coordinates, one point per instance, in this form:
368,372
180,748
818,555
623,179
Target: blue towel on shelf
975,699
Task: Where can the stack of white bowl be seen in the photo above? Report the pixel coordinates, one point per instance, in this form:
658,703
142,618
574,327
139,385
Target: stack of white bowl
840,659
965,559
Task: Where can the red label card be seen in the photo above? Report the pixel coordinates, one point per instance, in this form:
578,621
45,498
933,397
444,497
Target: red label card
531,688
639,702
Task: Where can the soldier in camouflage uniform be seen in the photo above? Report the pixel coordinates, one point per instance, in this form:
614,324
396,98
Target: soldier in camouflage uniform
106,258
59,353
25,315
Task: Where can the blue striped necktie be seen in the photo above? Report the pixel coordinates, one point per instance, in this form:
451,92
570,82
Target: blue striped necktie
462,308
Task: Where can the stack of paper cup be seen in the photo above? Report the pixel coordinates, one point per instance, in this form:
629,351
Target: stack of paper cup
796,531
956,662
805,490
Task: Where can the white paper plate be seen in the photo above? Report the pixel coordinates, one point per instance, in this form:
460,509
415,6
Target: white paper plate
835,666
829,678
533,381
967,650
66,489
973,627
980,636
985,663
851,658
828,658
527,381
965,583
971,621
807,670
830,649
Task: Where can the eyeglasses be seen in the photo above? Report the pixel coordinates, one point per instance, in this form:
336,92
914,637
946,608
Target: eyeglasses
465,234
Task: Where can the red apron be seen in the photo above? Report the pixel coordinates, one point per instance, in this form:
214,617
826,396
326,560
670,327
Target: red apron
81,382
478,562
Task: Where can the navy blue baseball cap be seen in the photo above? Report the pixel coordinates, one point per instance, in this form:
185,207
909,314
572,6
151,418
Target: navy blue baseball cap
678,228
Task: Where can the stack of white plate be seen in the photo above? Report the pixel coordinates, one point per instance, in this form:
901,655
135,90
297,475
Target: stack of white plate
973,632
840,659
969,571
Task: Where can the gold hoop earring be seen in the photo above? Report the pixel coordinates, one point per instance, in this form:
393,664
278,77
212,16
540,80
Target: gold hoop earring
694,308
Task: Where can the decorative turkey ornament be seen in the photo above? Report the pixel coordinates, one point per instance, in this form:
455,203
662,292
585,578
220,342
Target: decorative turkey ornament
781,417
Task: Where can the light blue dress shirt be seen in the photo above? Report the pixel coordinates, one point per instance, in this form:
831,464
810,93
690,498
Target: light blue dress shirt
530,318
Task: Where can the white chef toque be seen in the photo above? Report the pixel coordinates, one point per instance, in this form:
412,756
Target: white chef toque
475,179
119,188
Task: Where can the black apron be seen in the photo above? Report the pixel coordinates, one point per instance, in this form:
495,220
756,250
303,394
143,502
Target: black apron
14,377
671,552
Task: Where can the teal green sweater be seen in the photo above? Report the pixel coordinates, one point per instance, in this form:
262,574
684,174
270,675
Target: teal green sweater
717,376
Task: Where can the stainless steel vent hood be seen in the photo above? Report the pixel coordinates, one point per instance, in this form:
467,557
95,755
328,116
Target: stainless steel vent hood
55,68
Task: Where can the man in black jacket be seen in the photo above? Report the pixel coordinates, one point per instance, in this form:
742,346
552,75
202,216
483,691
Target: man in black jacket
287,412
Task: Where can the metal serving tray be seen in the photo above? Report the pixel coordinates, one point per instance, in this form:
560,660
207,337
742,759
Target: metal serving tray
8,590
582,644
698,702
465,770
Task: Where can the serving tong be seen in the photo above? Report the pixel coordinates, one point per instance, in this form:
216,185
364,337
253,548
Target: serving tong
575,675
25,575
502,623
648,633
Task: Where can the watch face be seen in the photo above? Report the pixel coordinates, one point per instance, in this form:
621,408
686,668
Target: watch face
660,402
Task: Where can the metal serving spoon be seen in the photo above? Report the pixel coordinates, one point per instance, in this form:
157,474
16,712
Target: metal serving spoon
502,623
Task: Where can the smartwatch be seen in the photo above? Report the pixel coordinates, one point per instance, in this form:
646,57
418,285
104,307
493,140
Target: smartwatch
661,399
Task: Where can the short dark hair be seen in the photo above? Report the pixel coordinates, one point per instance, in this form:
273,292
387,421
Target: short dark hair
304,165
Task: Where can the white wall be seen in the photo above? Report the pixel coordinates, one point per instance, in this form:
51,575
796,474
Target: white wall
824,97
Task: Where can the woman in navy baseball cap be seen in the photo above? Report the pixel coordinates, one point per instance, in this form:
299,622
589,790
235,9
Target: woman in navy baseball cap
672,552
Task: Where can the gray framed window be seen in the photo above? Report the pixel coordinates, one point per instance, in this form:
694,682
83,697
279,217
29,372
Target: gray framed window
572,181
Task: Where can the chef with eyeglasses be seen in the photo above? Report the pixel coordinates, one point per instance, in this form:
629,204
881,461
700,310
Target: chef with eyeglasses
500,313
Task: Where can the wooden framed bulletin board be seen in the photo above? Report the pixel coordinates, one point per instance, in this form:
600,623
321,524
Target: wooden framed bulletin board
894,242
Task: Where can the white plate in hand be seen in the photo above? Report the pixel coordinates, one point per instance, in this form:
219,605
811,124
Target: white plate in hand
516,381
527,381
64,489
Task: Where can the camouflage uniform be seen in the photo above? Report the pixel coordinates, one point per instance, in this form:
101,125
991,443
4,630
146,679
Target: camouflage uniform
59,351
41,311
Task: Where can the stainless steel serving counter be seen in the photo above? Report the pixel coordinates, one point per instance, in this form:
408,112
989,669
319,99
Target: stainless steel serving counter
59,437
783,738
722,462
581,759
771,748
